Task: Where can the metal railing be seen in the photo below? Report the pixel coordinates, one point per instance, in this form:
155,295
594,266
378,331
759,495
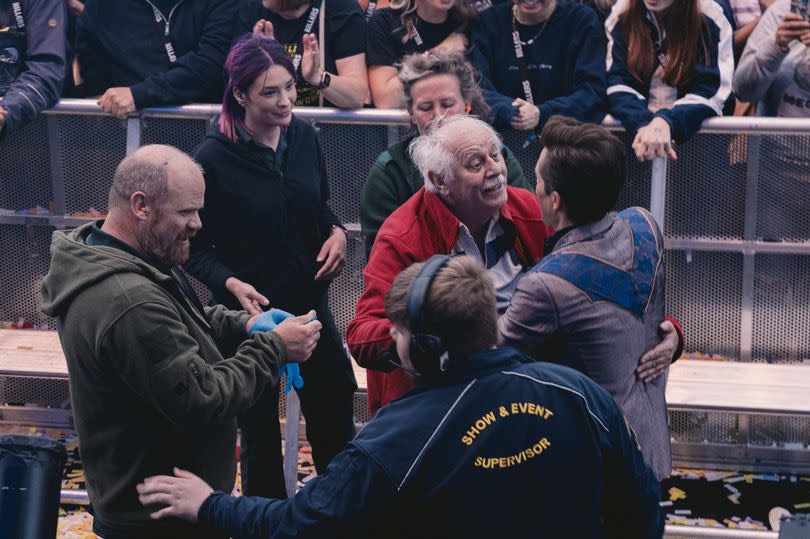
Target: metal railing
748,245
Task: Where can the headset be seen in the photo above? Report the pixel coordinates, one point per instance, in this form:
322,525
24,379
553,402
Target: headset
429,354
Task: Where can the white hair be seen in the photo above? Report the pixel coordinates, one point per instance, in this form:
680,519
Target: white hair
430,152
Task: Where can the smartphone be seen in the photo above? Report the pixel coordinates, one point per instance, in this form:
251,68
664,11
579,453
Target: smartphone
800,7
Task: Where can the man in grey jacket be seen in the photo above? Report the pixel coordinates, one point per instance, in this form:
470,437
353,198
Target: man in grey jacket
596,299
32,59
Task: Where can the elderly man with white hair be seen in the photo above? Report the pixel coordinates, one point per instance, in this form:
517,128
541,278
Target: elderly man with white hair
464,207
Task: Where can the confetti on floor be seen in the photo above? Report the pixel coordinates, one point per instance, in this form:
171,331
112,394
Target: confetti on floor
691,497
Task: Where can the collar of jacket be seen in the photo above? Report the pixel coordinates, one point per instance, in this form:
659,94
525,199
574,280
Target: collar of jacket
438,218
584,232
249,151
467,367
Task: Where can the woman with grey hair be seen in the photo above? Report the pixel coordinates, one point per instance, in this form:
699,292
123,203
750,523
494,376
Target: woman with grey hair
435,85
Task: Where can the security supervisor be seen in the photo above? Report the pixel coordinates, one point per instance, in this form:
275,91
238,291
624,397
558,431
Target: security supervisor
489,443
149,384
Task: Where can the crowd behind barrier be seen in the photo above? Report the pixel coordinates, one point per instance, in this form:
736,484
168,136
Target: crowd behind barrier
714,234
563,58
717,256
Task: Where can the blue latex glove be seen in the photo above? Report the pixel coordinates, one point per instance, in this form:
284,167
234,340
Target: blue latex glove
268,321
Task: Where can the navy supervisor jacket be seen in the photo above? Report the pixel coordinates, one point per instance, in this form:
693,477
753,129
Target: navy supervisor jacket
167,52
704,98
39,27
501,448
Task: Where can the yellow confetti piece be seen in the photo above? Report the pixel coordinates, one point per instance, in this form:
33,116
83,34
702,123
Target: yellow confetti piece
676,494
749,478
805,505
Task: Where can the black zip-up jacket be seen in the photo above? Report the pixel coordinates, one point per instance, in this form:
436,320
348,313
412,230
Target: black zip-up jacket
264,226
38,84
121,43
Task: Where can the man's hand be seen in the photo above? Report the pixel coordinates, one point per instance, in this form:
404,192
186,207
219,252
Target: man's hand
183,494
528,115
654,140
118,102
311,60
300,335
76,7
248,297
793,26
657,360
265,28
3,113
333,255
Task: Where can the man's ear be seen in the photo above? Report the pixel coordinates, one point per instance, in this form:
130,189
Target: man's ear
557,203
439,182
138,205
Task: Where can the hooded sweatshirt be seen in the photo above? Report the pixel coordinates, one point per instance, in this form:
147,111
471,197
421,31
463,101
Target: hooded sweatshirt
149,386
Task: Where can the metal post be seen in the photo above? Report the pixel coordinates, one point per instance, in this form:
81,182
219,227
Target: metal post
749,234
393,135
658,190
57,170
293,418
133,134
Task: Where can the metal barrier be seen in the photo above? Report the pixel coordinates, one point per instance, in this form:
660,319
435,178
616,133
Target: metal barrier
709,201
737,294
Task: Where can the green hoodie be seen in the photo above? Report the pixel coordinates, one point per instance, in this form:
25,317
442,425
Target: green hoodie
149,386
393,179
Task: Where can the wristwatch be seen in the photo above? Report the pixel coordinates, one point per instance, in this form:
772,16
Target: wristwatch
326,80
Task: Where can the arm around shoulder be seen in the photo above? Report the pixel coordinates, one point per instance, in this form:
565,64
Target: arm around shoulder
354,494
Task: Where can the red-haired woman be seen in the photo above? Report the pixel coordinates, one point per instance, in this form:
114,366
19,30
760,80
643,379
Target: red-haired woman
670,64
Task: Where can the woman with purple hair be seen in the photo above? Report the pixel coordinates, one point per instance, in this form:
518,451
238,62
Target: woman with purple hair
270,239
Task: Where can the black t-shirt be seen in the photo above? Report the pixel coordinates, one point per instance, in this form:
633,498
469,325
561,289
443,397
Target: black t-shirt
345,35
385,31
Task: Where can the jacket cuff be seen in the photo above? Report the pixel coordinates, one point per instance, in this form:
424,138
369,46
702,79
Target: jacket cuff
503,114
679,329
207,512
139,95
218,278
546,112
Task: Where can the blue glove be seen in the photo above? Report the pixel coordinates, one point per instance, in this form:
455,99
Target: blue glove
294,378
268,321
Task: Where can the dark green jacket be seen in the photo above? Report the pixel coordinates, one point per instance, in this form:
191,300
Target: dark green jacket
393,179
149,387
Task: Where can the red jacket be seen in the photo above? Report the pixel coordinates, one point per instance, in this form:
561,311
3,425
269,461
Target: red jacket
417,230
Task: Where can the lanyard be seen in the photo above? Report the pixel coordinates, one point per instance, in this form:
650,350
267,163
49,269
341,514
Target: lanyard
370,10
313,18
416,37
521,62
18,15
166,21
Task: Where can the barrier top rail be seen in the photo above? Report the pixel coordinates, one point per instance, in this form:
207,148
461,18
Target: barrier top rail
722,125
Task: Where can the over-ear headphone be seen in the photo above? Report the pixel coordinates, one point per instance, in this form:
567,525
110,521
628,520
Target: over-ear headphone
428,352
